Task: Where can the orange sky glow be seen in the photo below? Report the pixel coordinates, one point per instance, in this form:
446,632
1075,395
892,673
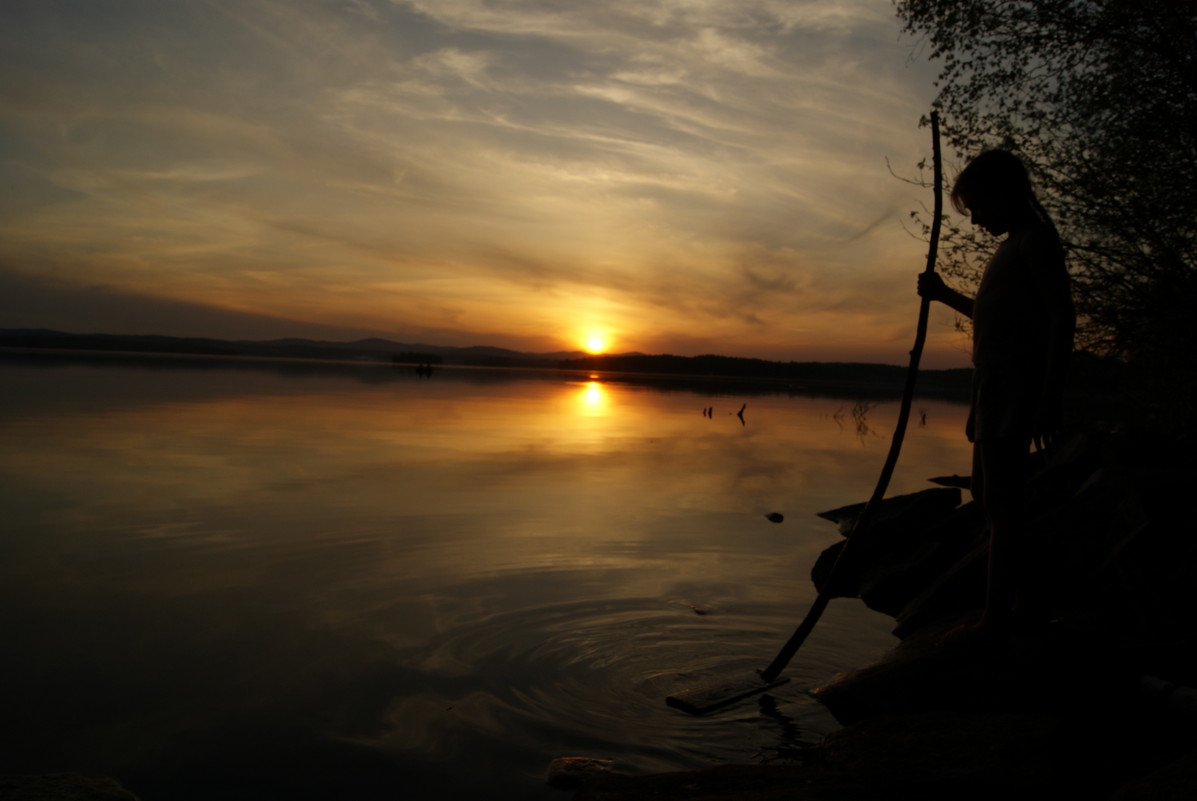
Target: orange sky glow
633,175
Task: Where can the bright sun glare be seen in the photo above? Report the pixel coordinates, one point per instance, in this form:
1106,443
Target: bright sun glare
596,343
593,400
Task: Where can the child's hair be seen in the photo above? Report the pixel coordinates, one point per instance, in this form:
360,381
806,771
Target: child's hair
997,173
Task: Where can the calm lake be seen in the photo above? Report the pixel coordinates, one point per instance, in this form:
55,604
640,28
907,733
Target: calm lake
268,580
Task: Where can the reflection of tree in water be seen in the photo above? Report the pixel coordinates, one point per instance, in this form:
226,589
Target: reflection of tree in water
795,743
859,413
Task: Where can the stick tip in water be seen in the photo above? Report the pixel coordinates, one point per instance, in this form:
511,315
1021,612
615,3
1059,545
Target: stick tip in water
700,700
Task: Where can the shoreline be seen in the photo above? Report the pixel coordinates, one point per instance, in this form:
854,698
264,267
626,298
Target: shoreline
948,388
1049,714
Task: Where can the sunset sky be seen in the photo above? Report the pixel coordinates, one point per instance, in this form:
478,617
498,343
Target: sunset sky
665,176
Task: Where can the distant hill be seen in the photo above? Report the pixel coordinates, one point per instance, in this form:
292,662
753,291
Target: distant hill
882,377
373,349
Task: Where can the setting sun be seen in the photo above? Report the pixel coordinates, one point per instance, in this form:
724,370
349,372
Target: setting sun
596,343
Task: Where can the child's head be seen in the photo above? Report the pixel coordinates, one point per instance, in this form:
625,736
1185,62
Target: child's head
995,184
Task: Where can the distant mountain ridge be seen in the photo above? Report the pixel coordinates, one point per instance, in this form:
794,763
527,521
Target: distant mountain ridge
374,349
370,349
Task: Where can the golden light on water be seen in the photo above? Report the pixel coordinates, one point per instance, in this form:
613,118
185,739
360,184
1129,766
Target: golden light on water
593,400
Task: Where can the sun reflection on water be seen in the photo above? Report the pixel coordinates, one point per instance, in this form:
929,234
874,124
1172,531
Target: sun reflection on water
593,400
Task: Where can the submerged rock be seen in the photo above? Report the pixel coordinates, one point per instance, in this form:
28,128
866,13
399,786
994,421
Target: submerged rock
566,773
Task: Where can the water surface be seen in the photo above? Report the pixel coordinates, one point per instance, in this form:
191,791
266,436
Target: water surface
255,580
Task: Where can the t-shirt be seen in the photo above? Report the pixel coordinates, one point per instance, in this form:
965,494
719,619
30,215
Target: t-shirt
1013,307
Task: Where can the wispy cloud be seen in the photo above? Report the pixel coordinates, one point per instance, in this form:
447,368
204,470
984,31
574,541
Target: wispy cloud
677,173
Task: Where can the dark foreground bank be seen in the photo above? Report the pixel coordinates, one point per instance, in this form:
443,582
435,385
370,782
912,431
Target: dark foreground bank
1097,704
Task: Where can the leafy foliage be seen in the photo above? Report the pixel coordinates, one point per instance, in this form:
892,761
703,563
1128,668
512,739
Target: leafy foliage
1099,98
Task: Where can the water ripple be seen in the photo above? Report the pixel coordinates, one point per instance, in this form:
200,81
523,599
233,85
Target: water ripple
590,678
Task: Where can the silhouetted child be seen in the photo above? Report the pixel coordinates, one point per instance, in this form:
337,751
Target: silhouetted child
1023,325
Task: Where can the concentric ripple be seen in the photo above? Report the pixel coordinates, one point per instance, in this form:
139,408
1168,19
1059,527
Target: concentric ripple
590,679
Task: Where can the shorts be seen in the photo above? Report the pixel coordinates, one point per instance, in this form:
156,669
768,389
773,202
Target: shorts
1005,399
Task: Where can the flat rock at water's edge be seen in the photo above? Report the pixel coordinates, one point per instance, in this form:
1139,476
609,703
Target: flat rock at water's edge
569,772
722,783
62,787
919,506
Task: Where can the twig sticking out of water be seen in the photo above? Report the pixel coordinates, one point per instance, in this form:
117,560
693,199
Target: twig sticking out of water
860,413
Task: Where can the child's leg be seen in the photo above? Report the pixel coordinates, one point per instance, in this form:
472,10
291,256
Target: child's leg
1003,468
976,482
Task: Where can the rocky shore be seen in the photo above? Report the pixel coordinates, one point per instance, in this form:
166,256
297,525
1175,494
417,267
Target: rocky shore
1097,704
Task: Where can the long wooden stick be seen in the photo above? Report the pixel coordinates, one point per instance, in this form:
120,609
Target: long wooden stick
862,522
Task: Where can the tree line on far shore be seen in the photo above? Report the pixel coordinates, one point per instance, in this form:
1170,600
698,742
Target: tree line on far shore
732,367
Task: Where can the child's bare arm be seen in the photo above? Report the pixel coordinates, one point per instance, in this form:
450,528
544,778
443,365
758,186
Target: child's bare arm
932,287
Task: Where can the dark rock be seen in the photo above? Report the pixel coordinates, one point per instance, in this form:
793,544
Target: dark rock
62,787
941,575
948,754
567,773
911,539
1176,781
774,517
955,585
722,783
918,508
1050,668
960,482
